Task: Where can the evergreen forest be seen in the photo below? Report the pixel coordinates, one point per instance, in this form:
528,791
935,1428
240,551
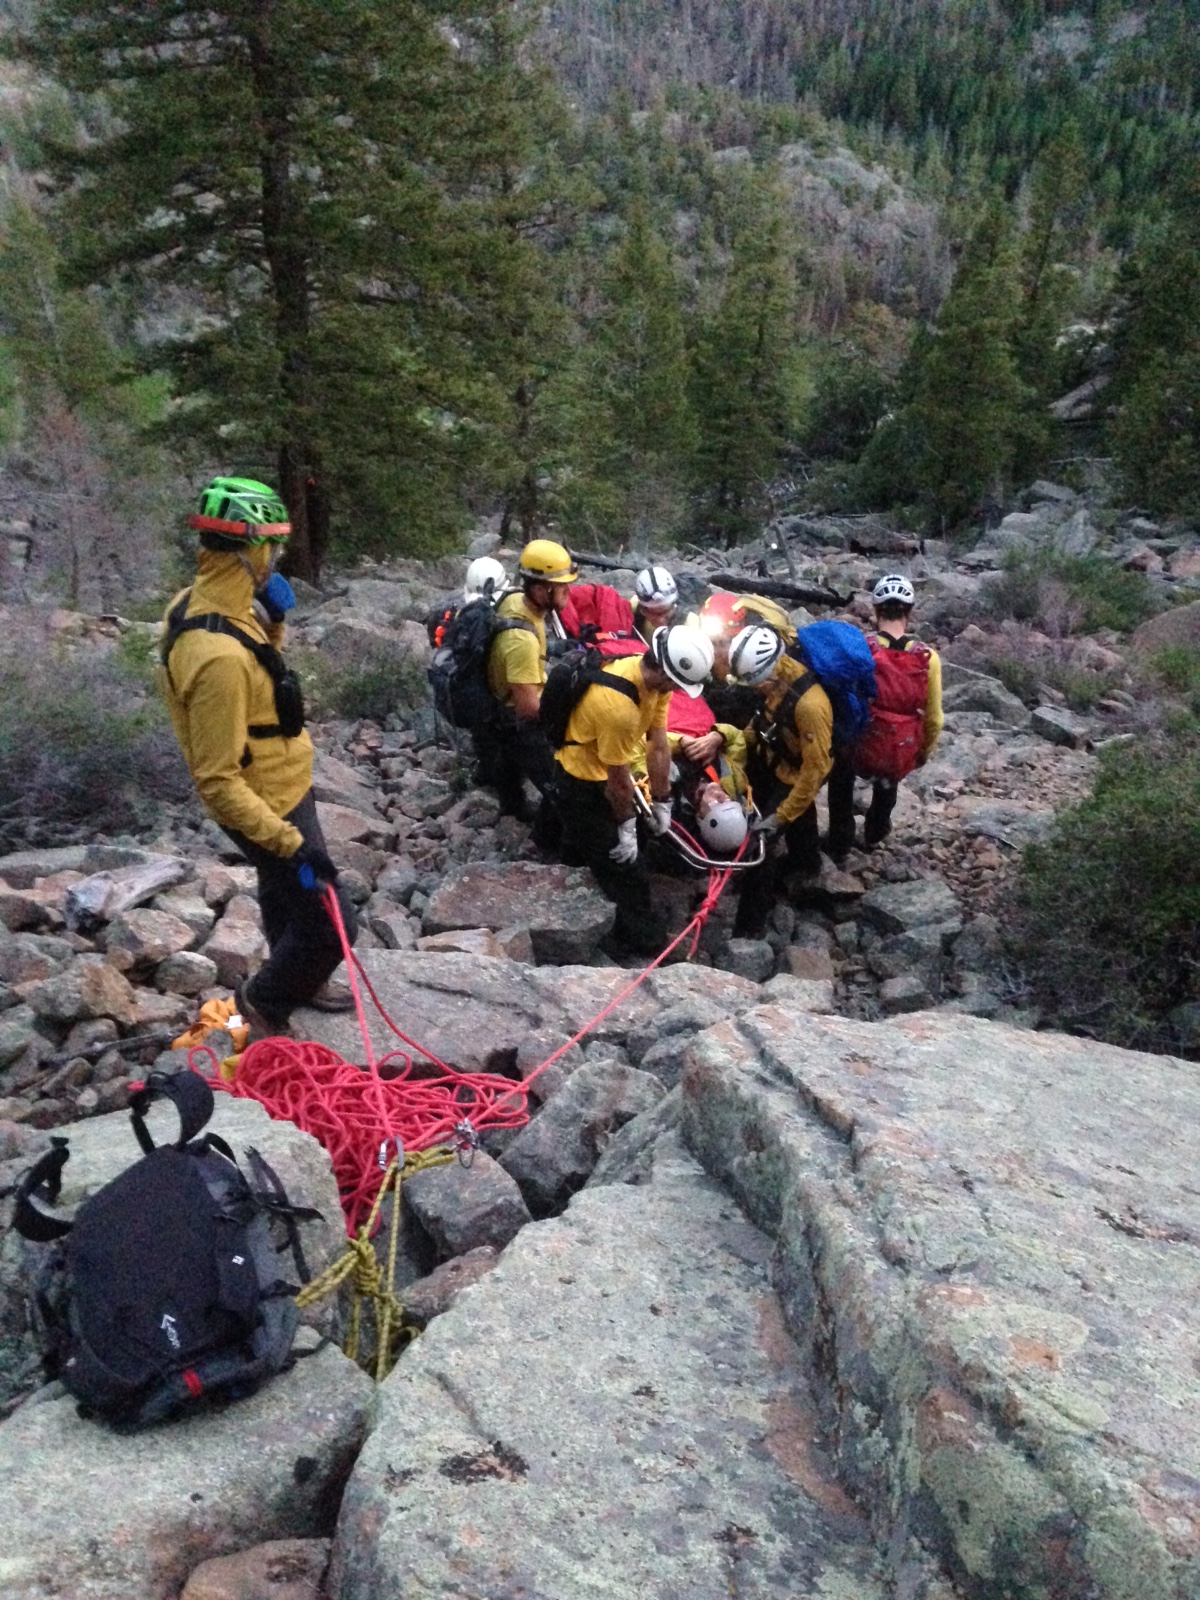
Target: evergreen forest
638,273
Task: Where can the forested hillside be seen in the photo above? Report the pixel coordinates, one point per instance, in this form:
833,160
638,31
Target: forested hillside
641,272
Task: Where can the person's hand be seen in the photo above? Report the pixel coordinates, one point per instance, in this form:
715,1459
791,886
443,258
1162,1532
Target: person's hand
624,852
704,747
314,868
660,817
768,827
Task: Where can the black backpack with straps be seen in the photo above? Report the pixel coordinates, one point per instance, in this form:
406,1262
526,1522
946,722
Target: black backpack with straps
568,681
289,697
166,1290
458,671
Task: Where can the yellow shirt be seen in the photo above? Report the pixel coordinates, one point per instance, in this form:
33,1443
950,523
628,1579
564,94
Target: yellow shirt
606,728
803,757
935,719
517,656
215,691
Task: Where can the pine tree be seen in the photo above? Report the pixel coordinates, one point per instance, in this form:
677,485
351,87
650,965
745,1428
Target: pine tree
288,180
1155,431
965,415
633,378
745,358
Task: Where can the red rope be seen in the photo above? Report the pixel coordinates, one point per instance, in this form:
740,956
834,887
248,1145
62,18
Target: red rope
363,1117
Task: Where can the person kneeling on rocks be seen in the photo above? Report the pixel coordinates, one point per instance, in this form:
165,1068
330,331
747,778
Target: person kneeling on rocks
239,719
790,741
605,734
905,723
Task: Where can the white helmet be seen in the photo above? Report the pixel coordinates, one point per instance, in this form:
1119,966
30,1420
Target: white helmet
485,576
685,655
723,827
654,586
894,586
753,654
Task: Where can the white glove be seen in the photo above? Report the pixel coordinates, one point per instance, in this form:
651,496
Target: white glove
660,817
624,852
767,826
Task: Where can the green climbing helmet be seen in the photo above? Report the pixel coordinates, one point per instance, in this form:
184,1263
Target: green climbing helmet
242,508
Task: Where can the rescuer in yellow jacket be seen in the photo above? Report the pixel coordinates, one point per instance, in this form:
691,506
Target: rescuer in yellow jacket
791,755
238,716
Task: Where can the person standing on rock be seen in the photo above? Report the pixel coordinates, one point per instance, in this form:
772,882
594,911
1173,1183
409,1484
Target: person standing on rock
655,602
239,719
513,746
906,720
790,743
607,731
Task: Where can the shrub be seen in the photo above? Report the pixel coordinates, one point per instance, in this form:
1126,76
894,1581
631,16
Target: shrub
1108,913
375,688
1071,594
84,745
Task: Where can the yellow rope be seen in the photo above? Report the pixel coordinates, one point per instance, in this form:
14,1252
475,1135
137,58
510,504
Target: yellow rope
361,1264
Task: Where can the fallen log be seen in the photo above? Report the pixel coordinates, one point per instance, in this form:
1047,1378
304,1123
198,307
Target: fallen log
800,594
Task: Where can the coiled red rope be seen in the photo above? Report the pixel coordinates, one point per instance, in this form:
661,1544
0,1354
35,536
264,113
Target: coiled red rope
364,1117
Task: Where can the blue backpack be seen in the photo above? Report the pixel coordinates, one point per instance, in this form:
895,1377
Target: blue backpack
839,657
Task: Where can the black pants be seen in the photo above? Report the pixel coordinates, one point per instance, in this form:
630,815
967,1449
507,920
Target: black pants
841,809
589,832
801,853
510,751
302,939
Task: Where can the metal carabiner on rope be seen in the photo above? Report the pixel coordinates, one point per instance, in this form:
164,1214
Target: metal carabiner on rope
383,1153
466,1142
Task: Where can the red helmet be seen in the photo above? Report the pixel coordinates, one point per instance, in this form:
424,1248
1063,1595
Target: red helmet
722,615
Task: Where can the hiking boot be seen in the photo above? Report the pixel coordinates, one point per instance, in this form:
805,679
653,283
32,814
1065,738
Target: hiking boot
258,1022
332,996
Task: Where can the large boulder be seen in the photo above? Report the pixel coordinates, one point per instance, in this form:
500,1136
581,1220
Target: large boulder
89,987
89,1512
554,1155
615,1410
899,907
1180,626
565,912
988,1241
974,691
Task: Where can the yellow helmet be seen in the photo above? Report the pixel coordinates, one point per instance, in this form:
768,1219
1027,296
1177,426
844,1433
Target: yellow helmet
547,562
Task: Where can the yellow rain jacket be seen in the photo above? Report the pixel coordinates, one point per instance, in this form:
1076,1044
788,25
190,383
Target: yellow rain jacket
215,691
801,753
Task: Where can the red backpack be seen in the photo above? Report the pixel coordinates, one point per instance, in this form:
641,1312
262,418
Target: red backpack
597,615
890,745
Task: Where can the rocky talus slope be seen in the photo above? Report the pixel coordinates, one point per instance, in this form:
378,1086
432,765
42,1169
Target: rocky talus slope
816,1271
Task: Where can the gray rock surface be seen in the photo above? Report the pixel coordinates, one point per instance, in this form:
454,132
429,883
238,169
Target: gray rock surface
614,1411
977,693
1059,726
89,1514
554,1155
462,1208
990,1242
899,907
562,908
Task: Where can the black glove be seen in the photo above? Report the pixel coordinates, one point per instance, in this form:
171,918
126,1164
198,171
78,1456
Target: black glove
314,867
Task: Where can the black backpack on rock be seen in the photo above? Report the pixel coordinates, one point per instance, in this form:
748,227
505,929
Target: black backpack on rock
165,1291
458,671
567,683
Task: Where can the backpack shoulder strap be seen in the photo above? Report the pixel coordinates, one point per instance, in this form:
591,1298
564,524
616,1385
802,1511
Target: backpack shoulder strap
191,1096
613,680
507,624
42,1181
